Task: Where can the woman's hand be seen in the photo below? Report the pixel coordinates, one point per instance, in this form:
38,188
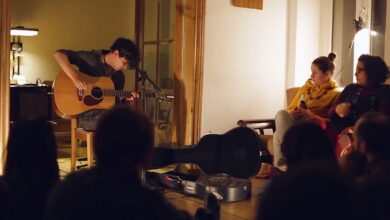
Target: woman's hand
343,109
300,112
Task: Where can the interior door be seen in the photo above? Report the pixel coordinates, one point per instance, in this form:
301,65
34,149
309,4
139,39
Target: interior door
170,36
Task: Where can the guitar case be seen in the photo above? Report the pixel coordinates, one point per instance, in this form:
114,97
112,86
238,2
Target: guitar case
228,161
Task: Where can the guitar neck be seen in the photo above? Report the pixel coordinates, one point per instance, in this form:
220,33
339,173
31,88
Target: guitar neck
118,93
124,93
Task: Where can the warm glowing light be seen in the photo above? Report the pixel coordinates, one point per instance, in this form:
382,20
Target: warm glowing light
361,46
21,31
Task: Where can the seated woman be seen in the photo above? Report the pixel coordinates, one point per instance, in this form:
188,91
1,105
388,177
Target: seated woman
366,95
318,93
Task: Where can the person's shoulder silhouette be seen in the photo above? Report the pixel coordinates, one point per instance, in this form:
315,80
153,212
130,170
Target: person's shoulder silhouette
31,168
310,191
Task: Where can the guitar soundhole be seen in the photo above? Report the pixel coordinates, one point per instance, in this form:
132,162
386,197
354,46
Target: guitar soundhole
97,92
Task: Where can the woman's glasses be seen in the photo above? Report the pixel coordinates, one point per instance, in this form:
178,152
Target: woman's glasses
359,69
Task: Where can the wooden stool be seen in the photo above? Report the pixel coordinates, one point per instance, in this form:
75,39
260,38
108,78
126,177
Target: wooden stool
79,134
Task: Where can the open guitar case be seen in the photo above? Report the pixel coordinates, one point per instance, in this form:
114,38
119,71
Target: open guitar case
227,163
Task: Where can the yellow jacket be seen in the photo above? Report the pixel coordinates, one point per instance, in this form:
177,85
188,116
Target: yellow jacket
319,99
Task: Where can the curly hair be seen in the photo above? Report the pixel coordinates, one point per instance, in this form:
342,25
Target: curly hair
376,69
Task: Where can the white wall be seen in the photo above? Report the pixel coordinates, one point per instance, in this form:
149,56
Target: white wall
252,56
313,35
244,63
307,35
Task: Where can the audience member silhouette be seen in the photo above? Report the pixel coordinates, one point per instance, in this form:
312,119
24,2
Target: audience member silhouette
31,168
371,138
112,189
309,191
313,186
5,200
305,142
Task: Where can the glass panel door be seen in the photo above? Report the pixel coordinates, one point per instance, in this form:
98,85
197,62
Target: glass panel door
158,47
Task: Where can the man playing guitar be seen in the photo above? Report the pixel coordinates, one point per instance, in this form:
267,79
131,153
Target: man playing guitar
123,55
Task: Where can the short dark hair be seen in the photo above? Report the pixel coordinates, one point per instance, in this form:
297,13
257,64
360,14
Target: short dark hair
325,63
127,49
374,128
306,141
123,137
314,190
376,69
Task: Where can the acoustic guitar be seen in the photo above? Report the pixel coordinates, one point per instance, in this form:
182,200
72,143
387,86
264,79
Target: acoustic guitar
236,153
100,94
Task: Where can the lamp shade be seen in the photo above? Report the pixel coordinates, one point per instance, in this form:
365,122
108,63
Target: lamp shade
22,31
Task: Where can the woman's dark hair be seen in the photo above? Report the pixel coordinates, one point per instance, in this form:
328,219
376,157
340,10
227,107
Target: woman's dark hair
376,69
304,142
325,63
123,137
127,49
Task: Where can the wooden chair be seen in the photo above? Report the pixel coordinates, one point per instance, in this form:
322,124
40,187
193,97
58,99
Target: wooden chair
261,124
80,134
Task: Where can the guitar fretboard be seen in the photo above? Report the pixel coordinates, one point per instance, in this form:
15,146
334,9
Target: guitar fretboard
124,93
120,93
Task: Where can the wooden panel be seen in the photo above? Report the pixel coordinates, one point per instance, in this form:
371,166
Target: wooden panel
188,71
4,75
256,4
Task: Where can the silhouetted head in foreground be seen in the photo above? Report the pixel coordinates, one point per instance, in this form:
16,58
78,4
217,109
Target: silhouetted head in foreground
32,154
310,191
305,142
123,139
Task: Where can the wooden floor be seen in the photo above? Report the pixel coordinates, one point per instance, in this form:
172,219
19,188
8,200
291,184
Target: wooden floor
229,211
235,210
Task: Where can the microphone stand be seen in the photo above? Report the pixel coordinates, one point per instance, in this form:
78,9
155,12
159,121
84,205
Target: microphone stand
142,78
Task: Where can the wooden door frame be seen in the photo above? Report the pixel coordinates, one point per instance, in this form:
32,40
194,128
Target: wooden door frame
188,75
190,22
4,76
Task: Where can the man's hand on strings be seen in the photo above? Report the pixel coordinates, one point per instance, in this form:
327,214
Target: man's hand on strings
79,84
134,96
